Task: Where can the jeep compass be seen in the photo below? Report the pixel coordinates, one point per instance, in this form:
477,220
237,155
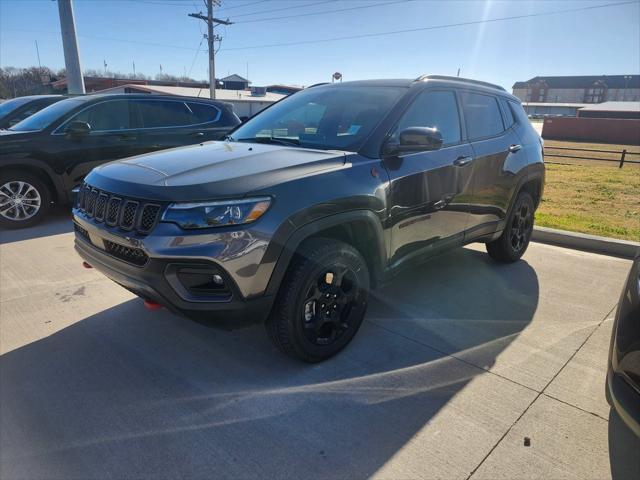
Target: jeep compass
298,213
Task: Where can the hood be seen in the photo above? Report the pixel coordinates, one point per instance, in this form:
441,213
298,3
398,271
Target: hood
210,170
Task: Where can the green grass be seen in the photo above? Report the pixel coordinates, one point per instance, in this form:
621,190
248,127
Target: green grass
592,198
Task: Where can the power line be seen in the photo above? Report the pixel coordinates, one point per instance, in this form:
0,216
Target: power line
195,56
361,7
242,6
286,8
432,27
366,35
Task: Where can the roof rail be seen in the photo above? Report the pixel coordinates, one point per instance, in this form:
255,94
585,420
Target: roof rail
318,84
421,78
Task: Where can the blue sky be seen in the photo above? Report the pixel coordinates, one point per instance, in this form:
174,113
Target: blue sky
596,41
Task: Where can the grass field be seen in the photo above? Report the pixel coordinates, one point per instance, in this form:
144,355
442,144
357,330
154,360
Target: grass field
591,196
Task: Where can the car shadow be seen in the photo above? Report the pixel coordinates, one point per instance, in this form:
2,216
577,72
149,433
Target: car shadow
132,393
57,222
624,447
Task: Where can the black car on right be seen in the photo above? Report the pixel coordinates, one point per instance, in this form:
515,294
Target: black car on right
623,375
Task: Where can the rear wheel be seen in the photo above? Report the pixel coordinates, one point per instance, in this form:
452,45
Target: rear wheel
24,199
513,242
322,301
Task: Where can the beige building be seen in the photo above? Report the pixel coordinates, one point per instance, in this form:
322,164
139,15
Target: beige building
579,89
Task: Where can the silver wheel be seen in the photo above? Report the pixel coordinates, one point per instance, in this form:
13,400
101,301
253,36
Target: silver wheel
19,201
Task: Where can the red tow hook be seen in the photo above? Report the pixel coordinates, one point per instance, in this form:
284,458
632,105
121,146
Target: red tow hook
86,265
151,305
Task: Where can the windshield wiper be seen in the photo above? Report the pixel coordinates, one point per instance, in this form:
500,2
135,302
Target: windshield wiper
275,140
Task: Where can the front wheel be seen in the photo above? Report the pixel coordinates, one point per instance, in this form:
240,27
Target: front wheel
322,300
24,199
513,242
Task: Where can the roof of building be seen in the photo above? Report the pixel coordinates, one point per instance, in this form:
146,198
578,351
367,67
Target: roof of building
553,104
584,81
614,107
234,78
222,95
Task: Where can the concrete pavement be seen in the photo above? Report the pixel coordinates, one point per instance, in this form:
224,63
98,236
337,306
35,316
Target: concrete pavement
458,361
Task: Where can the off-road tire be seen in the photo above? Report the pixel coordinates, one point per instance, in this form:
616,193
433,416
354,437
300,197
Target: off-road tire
286,324
515,238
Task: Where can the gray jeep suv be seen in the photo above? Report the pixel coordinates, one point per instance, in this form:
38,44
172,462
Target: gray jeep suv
303,209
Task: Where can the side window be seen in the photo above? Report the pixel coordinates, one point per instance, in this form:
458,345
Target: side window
508,114
437,109
204,113
482,115
520,114
109,115
165,113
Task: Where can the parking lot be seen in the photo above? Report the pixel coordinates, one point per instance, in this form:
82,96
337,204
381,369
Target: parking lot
457,362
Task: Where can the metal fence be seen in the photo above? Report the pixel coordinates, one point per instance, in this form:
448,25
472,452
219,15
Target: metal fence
620,157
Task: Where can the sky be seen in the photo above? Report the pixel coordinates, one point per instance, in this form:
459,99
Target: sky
154,33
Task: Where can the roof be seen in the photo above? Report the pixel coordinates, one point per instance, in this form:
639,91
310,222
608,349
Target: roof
613,107
584,81
222,95
234,78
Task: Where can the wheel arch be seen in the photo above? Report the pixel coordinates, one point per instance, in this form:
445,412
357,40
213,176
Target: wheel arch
361,229
42,172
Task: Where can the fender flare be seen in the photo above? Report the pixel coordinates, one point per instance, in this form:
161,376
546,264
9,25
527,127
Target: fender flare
377,262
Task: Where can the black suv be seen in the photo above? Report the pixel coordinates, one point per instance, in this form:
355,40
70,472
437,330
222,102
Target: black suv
45,156
314,201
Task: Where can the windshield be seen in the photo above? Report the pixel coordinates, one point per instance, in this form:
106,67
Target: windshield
328,118
10,105
46,116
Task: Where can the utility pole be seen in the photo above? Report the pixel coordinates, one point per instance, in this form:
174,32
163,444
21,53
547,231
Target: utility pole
211,38
75,82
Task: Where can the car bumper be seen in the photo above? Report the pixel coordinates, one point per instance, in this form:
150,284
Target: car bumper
159,280
624,399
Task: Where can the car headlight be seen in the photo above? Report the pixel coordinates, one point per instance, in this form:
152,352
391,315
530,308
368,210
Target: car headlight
216,214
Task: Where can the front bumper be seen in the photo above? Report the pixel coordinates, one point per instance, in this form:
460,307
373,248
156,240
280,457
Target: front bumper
157,280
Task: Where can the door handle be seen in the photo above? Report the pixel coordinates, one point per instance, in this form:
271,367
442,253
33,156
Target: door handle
514,148
128,137
463,160
197,134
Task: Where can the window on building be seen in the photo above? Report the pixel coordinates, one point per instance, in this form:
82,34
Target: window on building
481,115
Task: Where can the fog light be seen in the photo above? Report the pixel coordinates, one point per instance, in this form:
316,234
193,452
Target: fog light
217,279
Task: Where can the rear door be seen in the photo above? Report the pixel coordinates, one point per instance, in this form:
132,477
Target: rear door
498,157
427,193
168,123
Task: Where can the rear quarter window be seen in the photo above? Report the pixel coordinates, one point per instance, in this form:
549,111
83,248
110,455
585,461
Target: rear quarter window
481,115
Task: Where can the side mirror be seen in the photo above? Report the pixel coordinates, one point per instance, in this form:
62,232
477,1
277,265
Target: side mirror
415,139
78,129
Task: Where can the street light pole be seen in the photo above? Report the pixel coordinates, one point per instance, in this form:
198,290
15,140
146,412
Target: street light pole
75,82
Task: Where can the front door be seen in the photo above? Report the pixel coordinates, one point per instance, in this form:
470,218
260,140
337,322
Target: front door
428,192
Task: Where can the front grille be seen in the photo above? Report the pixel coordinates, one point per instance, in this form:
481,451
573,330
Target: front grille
131,255
81,231
126,214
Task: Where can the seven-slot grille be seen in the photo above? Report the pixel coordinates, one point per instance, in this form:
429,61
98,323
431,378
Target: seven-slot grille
114,211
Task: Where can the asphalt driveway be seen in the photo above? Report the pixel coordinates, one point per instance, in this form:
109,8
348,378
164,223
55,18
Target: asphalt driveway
458,361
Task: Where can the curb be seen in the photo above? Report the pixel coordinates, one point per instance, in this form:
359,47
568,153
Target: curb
588,243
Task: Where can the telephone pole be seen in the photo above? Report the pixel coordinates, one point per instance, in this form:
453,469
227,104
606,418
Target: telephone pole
75,82
211,38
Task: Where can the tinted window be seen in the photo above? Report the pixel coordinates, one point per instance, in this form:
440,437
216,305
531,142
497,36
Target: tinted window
434,109
204,113
162,113
520,114
481,115
508,114
110,115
